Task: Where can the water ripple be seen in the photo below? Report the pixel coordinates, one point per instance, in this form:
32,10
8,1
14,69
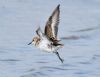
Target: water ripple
41,62
35,74
12,60
88,29
74,37
95,57
84,62
56,68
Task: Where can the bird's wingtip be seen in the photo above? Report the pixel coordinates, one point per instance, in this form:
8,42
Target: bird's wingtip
58,6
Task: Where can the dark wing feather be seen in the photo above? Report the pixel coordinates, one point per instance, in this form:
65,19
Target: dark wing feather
51,28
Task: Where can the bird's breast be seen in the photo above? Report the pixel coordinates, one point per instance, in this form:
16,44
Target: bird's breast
46,45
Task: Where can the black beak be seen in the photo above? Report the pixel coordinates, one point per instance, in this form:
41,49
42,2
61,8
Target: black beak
30,43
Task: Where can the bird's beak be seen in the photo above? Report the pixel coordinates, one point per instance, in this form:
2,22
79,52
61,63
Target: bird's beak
30,43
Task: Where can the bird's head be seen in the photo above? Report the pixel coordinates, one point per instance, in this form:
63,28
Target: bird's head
34,41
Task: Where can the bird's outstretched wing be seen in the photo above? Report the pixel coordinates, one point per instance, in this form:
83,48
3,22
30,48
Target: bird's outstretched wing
51,28
40,33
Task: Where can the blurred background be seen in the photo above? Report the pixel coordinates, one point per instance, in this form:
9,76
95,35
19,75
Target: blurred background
79,30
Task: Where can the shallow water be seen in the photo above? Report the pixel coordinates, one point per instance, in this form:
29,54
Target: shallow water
79,30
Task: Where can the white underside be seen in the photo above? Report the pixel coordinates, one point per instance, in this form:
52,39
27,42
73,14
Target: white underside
45,45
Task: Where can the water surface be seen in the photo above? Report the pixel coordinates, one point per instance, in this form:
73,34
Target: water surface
79,30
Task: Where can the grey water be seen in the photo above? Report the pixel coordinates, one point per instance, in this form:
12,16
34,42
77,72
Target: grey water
79,30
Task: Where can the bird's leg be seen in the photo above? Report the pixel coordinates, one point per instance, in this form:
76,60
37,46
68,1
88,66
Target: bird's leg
59,57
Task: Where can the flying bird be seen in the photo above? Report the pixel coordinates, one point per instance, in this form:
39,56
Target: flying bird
48,40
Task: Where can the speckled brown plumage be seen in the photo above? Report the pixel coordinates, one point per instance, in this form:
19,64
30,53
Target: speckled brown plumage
53,22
